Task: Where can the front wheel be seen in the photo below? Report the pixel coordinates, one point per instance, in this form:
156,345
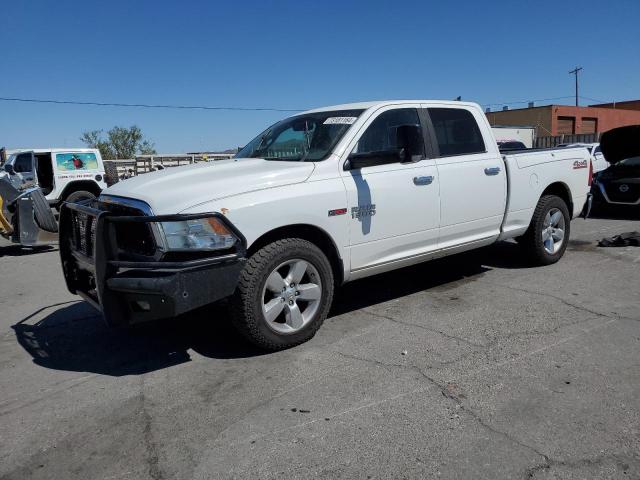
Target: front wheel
283,295
546,239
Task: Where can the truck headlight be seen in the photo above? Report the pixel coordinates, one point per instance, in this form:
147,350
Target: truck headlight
198,234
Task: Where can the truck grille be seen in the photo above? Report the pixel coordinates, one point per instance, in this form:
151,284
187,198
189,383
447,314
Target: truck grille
83,233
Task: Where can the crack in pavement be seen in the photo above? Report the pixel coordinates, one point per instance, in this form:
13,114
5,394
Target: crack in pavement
456,399
562,300
530,472
481,348
423,327
588,462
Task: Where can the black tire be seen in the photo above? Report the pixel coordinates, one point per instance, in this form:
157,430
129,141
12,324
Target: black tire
246,303
532,242
111,173
42,212
80,195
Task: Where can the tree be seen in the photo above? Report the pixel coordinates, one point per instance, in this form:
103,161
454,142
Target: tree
121,142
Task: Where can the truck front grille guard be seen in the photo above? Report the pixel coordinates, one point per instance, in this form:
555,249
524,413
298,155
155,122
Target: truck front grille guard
90,253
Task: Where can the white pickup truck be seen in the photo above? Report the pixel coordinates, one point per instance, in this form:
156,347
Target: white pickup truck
316,200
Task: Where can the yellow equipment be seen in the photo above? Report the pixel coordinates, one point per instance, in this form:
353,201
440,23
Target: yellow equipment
5,226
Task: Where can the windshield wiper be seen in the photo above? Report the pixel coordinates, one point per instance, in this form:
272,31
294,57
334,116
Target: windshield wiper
283,159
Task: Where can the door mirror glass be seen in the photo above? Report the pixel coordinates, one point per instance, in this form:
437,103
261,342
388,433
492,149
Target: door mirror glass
9,169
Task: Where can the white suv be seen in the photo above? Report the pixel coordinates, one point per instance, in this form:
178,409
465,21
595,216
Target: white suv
63,174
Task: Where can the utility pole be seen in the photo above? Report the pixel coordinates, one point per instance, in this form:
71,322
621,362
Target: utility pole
575,72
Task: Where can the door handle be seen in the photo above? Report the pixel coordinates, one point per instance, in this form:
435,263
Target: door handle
423,180
492,171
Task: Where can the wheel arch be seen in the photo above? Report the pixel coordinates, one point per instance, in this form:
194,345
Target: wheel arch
562,190
311,233
75,186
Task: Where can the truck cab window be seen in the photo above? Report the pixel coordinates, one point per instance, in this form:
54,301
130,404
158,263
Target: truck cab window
23,163
457,132
382,134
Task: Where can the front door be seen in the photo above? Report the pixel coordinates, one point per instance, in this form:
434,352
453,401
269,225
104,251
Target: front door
25,171
394,208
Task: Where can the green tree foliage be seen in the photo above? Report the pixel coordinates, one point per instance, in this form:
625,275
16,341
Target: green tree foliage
120,142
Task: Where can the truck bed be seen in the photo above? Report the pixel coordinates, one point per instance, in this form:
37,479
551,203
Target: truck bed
531,172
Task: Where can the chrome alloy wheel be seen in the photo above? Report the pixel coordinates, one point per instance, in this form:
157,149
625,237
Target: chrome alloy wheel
291,296
553,231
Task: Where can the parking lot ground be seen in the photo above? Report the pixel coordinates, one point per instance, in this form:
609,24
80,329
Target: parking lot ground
475,366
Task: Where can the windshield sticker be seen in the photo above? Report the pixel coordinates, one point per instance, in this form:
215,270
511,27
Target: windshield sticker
76,161
340,120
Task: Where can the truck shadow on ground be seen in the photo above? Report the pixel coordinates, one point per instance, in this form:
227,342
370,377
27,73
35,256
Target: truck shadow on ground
72,336
19,251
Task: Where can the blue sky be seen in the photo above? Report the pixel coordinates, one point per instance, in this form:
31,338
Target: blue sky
294,54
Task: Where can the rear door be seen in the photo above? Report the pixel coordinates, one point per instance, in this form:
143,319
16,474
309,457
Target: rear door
472,177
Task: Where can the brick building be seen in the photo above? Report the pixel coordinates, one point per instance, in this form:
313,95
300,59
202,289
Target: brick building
552,120
626,105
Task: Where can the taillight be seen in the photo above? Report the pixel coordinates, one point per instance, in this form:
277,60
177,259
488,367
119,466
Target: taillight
590,172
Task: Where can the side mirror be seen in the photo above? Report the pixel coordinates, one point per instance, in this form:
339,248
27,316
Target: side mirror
371,159
8,167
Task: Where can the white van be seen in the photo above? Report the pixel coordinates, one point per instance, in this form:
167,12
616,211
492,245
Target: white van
63,174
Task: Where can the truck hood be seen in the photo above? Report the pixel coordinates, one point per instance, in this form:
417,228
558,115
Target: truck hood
620,143
175,189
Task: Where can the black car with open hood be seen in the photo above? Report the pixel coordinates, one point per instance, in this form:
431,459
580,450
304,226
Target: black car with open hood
619,184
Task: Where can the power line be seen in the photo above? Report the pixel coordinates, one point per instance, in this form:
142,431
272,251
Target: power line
525,101
145,105
595,99
241,109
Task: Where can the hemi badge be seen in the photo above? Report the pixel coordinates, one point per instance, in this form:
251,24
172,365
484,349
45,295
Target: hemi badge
339,211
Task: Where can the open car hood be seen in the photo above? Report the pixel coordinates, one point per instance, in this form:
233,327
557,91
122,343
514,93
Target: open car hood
620,143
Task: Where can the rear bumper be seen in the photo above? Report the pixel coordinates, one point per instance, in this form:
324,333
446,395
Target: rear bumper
130,292
588,204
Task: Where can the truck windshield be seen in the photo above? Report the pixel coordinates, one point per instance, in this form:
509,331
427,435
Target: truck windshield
309,137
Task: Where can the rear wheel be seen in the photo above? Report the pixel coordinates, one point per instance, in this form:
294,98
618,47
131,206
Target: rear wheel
283,295
546,239
80,195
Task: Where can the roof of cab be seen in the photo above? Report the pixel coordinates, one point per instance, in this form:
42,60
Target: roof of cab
384,103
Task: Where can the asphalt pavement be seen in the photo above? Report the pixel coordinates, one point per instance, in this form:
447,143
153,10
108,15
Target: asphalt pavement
475,366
